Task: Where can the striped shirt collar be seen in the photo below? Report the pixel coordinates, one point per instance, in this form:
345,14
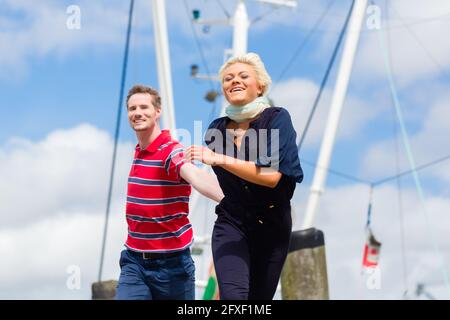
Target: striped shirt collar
163,137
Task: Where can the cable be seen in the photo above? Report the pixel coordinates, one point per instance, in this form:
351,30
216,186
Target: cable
302,44
410,156
325,78
421,167
414,35
337,173
399,185
213,114
255,20
134,56
400,210
225,11
116,136
417,22
197,41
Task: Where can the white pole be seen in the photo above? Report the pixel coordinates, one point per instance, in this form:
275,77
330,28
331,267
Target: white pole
240,32
340,90
240,36
163,65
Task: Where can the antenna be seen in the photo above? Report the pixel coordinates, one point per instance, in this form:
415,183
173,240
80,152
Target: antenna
240,24
286,3
163,65
337,102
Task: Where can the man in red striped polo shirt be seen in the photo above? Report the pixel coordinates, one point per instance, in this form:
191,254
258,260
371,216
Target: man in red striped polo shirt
157,263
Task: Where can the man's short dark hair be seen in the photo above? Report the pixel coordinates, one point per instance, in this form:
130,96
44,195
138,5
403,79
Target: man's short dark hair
140,88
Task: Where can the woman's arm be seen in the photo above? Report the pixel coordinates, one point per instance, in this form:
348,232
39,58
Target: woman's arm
246,170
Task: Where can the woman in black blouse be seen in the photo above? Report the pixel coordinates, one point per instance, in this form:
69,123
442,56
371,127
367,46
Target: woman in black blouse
254,155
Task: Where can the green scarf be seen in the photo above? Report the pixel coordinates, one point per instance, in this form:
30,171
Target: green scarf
248,111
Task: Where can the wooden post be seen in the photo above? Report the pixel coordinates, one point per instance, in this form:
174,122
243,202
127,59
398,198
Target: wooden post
304,275
104,290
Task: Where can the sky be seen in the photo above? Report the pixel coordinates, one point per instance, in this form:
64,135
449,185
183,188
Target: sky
59,90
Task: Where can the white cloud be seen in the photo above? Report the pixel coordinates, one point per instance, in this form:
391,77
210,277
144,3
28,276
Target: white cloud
53,206
342,217
297,95
53,201
46,238
39,30
36,258
429,142
67,170
411,62
415,34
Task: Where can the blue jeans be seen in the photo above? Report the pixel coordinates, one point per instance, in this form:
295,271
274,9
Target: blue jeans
170,278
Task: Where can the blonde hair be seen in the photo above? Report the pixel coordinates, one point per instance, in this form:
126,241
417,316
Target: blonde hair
253,60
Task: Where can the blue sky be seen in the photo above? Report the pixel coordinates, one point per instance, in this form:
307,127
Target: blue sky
65,87
59,94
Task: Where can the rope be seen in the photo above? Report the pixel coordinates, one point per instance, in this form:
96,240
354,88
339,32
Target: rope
410,156
439,67
116,137
379,182
400,212
197,41
399,185
369,209
443,17
255,20
337,173
325,78
302,45
417,169
225,11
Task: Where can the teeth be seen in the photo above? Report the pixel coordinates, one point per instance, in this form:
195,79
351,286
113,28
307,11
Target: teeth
236,89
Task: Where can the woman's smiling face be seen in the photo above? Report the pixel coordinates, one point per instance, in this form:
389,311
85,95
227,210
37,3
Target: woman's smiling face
240,84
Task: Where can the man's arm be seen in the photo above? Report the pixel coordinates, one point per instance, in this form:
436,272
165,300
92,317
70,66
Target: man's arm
246,170
202,181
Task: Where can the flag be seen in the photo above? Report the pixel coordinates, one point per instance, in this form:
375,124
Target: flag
371,250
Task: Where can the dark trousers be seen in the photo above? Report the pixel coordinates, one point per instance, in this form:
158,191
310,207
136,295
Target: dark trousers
249,249
156,279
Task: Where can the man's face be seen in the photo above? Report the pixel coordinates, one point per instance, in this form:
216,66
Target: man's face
142,115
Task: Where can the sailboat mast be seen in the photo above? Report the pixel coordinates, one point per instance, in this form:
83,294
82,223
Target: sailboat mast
163,65
340,90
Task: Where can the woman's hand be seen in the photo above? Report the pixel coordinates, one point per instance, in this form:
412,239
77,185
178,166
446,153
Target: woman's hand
203,154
